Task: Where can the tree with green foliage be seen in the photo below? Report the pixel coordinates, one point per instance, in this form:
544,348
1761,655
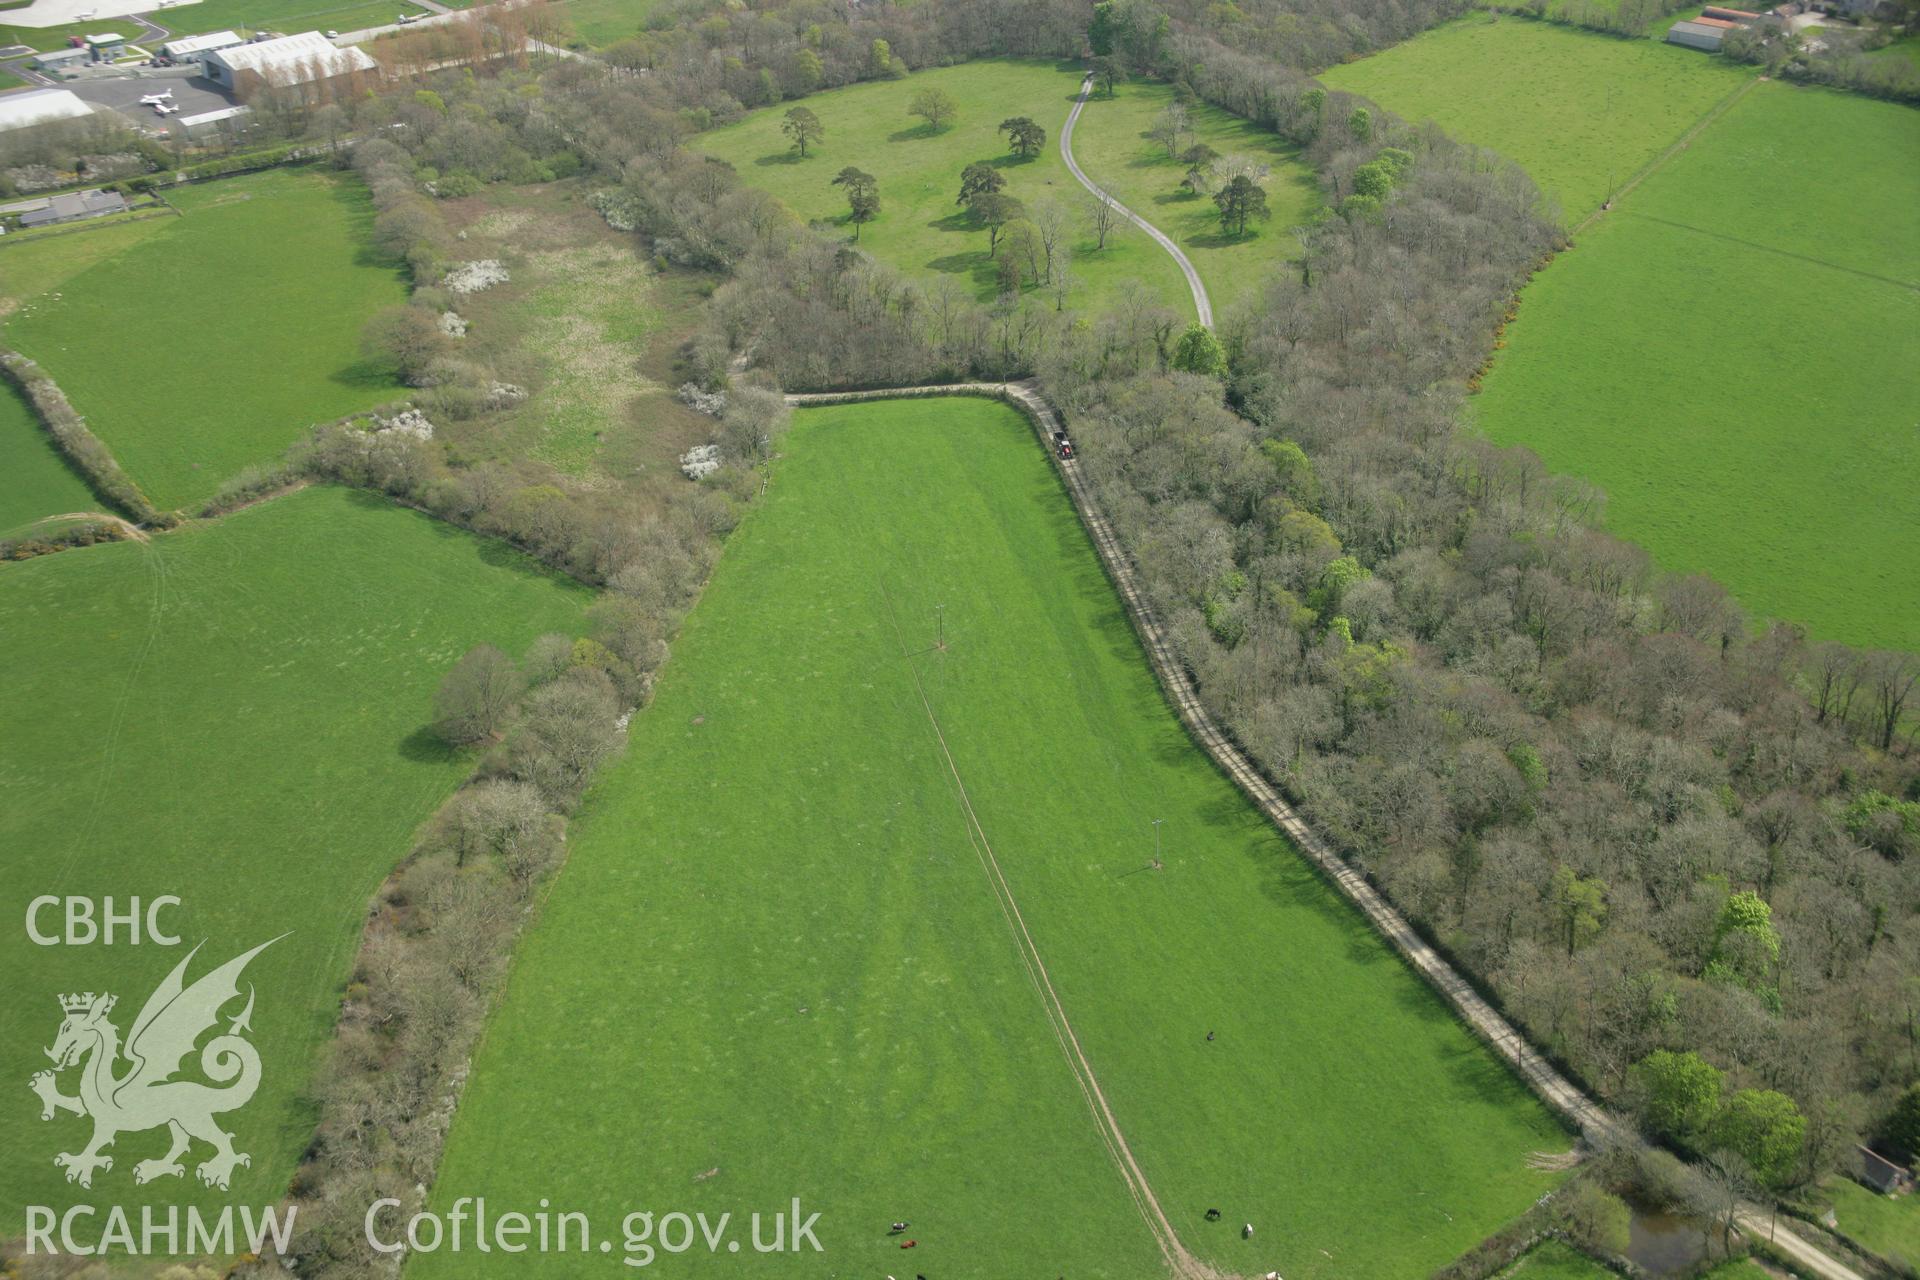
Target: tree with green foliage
881,62
803,127
979,179
1581,905
1679,1094
1199,160
863,196
1902,1129
935,106
1103,29
1745,940
1198,351
1107,72
1360,124
1294,469
1241,201
1024,136
1765,1129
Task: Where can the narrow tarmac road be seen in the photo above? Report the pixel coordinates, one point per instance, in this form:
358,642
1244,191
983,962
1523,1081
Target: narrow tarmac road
1200,302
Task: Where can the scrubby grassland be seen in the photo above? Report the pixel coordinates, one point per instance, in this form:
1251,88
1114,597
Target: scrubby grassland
1110,143
235,714
920,228
1729,354
1890,1226
213,340
776,957
591,327
1581,112
35,481
1553,1260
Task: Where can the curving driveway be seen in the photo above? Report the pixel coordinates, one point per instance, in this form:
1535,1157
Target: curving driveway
1200,302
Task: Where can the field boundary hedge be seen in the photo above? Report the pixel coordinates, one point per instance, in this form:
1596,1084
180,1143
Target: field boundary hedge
86,451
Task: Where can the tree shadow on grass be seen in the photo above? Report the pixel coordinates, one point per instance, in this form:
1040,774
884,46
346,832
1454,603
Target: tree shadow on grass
789,156
914,133
1220,239
365,375
424,746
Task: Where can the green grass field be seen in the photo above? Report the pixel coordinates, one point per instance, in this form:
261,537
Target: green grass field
35,480
1579,111
1555,1260
1110,143
214,340
235,714
775,954
599,23
1888,1225
288,16
921,230
1730,354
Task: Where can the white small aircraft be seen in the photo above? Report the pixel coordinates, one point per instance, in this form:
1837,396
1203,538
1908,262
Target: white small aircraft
164,109
155,99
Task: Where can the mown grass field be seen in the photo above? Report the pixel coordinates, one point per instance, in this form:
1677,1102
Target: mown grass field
774,965
1890,1226
1555,1260
921,229
1730,354
1110,143
1581,112
35,480
200,344
234,714
599,23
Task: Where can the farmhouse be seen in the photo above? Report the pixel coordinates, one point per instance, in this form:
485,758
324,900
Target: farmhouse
40,106
1698,35
308,60
196,48
74,206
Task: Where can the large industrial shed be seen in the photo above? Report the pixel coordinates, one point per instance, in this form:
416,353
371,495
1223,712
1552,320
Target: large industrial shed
308,60
196,48
1698,35
40,106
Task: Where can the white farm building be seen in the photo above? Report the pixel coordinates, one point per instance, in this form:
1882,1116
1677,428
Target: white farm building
40,106
309,60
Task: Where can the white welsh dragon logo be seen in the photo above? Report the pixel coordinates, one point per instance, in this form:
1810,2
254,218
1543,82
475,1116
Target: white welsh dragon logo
146,1096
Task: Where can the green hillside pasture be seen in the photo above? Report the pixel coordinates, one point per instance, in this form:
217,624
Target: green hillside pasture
1731,356
1888,1225
1110,143
775,965
921,230
234,714
35,480
216,339
1581,112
